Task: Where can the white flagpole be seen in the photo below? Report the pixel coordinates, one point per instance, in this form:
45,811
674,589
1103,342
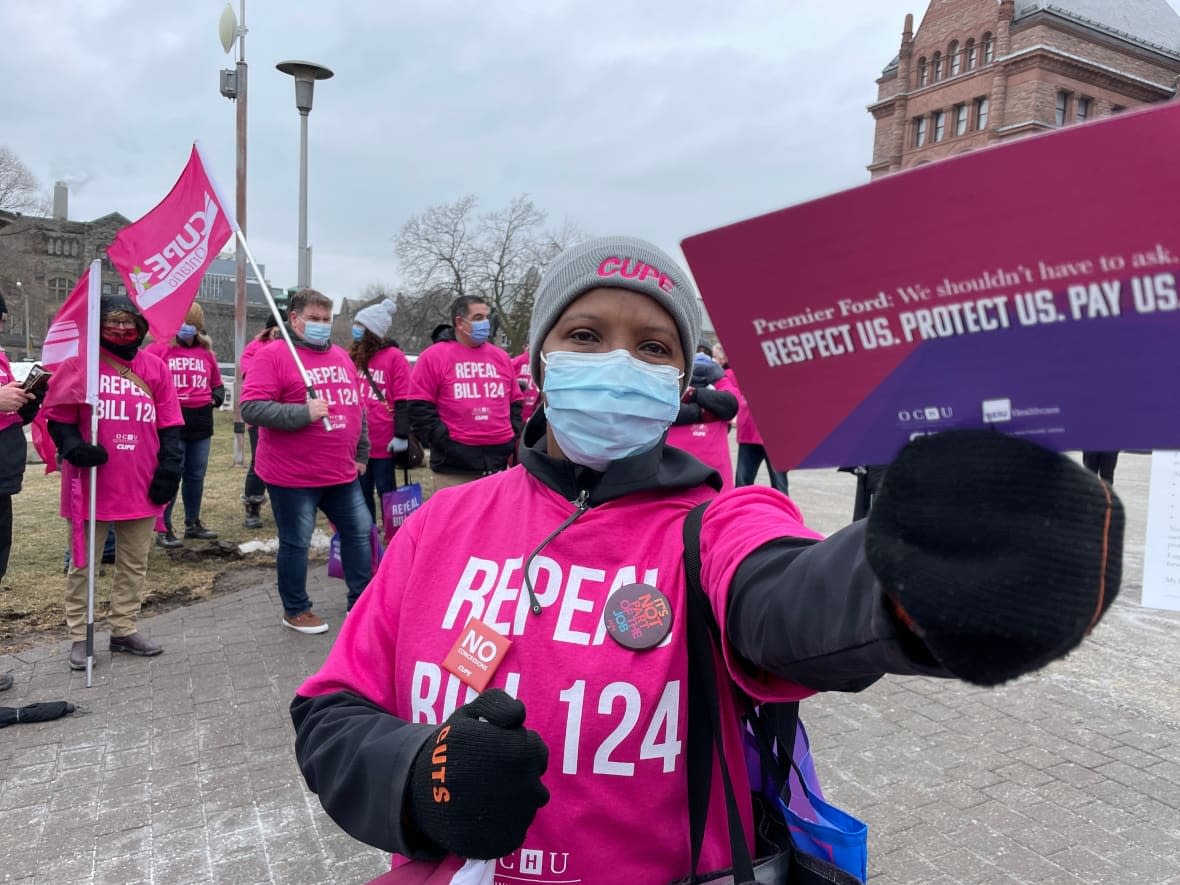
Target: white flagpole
93,312
274,308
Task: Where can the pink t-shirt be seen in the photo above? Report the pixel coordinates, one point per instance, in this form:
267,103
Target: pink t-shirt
310,456
7,421
708,441
524,379
194,371
747,431
614,720
250,351
473,389
391,373
128,424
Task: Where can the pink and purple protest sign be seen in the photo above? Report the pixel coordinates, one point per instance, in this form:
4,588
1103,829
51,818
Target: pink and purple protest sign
1029,287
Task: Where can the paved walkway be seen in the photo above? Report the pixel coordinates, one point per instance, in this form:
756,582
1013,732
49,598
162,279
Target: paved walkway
183,769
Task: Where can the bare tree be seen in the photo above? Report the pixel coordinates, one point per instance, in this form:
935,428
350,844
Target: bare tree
449,251
19,190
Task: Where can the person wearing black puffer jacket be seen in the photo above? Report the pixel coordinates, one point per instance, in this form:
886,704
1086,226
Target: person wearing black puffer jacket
17,408
137,453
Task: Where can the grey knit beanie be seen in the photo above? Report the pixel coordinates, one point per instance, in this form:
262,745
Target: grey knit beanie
377,318
618,263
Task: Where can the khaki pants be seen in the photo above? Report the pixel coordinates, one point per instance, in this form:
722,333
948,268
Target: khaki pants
133,542
446,480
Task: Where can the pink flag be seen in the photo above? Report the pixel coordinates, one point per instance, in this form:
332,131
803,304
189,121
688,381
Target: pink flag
164,255
65,338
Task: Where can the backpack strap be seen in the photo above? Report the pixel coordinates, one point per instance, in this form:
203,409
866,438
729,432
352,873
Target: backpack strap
377,391
704,717
126,372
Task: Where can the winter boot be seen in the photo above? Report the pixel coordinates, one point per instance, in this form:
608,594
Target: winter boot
253,505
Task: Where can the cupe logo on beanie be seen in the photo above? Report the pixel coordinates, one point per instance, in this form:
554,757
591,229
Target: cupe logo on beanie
634,269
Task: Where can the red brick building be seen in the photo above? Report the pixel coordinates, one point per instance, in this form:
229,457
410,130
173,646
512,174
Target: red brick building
977,72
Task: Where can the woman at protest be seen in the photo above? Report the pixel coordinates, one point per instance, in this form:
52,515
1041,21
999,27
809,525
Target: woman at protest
701,427
385,383
190,358
17,408
138,456
954,575
254,491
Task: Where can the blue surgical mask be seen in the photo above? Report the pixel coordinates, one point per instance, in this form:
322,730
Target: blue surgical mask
481,330
605,406
358,332
317,333
187,332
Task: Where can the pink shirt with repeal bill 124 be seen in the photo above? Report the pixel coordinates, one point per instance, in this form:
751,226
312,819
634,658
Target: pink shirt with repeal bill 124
615,720
129,419
194,371
390,371
473,389
311,456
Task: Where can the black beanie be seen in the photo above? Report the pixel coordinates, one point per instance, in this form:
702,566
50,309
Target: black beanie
1002,554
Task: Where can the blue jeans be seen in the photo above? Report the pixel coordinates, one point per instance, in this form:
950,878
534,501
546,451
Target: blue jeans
295,512
194,455
378,478
750,458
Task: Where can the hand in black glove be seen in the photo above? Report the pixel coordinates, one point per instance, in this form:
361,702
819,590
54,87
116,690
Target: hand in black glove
998,554
475,786
218,395
86,455
164,485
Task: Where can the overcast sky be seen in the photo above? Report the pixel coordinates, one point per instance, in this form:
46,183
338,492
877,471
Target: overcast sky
658,118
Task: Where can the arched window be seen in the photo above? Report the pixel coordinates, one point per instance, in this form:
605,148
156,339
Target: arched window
937,66
989,48
923,73
955,59
971,54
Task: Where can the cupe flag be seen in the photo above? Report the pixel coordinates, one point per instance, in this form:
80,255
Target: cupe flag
163,256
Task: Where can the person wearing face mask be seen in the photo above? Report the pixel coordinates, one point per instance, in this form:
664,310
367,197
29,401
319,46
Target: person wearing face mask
385,383
306,466
464,400
701,427
482,697
197,378
138,456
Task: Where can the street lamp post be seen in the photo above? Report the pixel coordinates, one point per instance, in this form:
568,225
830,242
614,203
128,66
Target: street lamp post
305,74
231,31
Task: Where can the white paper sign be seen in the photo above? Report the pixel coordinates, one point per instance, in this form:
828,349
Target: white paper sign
1161,553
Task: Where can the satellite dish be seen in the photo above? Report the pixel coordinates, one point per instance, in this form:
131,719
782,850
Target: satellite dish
227,28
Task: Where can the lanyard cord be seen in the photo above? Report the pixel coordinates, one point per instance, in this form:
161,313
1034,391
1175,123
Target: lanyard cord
583,505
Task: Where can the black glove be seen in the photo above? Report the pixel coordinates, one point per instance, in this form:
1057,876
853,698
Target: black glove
998,554
164,485
85,455
218,395
475,786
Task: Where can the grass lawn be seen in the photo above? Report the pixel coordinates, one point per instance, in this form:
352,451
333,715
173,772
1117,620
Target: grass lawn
31,594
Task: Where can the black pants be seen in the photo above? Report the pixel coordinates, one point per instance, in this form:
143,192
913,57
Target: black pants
5,532
1102,463
255,487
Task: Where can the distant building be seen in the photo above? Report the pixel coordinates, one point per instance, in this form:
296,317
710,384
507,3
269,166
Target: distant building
47,257
978,72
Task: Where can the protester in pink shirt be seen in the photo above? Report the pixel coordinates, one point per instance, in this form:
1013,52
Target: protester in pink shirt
702,426
254,489
385,386
306,466
464,400
524,380
190,358
482,700
17,408
138,456
751,451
